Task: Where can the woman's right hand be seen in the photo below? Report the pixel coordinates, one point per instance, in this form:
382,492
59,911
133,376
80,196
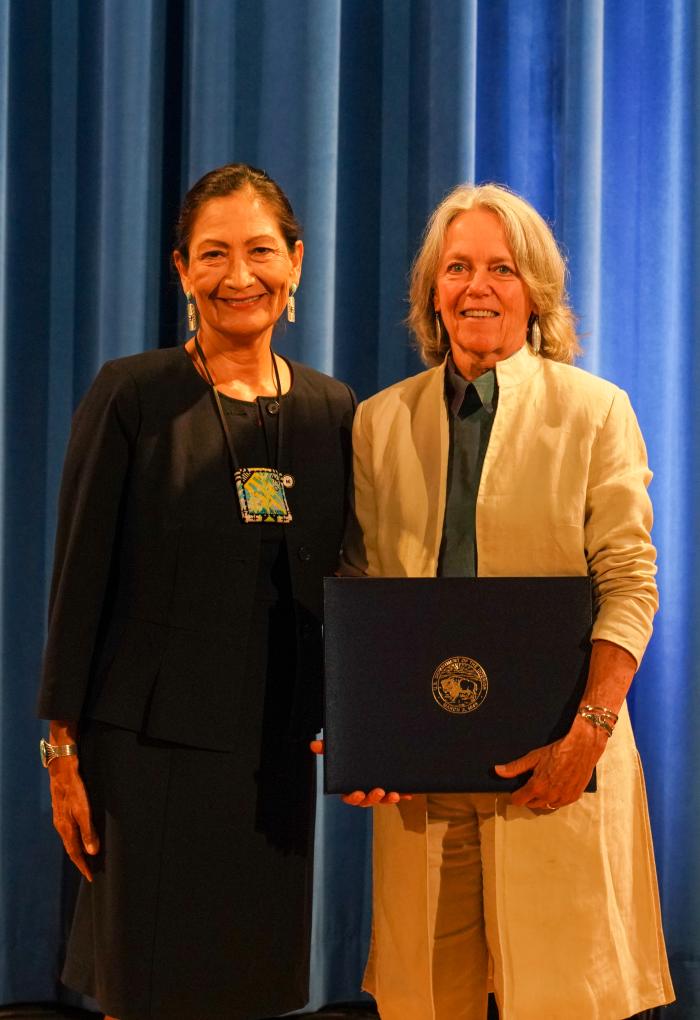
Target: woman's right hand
71,811
359,798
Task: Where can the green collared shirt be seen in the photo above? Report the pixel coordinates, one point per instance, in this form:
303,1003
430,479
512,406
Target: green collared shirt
471,409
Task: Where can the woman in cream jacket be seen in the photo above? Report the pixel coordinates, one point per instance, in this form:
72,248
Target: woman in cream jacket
548,895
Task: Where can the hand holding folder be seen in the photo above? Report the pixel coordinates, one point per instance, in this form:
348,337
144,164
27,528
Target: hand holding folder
430,682
372,798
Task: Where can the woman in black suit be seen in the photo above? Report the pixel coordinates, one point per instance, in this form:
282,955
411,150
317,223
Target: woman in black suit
202,503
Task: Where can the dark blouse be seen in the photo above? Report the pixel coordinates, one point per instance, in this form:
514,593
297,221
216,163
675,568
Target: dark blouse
254,431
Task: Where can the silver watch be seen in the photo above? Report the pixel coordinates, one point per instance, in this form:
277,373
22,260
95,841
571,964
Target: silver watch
50,751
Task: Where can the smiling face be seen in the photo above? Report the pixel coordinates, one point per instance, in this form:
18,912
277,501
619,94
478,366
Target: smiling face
239,269
483,302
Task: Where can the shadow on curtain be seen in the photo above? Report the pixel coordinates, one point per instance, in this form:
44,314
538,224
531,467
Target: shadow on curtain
367,113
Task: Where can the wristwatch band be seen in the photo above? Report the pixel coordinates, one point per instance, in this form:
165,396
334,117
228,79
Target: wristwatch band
50,751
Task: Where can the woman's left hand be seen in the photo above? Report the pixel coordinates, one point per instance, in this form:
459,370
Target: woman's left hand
560,771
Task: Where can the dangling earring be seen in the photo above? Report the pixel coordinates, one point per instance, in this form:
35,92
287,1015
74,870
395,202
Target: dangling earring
192,314
535,335
291,304
438,330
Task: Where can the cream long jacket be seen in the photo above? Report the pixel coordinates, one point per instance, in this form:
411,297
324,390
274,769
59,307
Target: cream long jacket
562,492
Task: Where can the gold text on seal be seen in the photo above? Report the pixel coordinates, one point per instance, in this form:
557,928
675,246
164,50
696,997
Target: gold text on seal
460,684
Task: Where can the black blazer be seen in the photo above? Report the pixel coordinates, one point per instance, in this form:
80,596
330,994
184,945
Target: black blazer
154,571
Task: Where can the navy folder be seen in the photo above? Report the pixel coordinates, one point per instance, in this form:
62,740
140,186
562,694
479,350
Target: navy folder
430,682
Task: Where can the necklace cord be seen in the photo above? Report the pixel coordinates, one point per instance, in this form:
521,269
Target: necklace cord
235,466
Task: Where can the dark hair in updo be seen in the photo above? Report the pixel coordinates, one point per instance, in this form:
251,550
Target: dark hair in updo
225,180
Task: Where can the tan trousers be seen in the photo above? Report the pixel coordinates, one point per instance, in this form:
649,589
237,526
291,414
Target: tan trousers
462,898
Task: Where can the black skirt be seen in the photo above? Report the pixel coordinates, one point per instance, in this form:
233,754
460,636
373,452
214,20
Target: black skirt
200,908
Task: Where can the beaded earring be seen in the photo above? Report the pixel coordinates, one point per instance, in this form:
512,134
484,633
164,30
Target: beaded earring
291,304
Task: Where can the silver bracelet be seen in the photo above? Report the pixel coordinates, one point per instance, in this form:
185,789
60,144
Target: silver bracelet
50,751
607,712
604,718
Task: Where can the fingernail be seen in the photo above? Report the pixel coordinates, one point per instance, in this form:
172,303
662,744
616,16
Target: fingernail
91,848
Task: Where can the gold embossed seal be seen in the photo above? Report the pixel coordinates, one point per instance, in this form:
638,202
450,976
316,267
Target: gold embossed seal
460,684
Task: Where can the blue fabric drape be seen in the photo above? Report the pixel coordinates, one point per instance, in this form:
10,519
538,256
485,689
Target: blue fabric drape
367,113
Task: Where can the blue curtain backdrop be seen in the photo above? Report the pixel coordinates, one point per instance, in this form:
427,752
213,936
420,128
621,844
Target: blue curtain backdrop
366,112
